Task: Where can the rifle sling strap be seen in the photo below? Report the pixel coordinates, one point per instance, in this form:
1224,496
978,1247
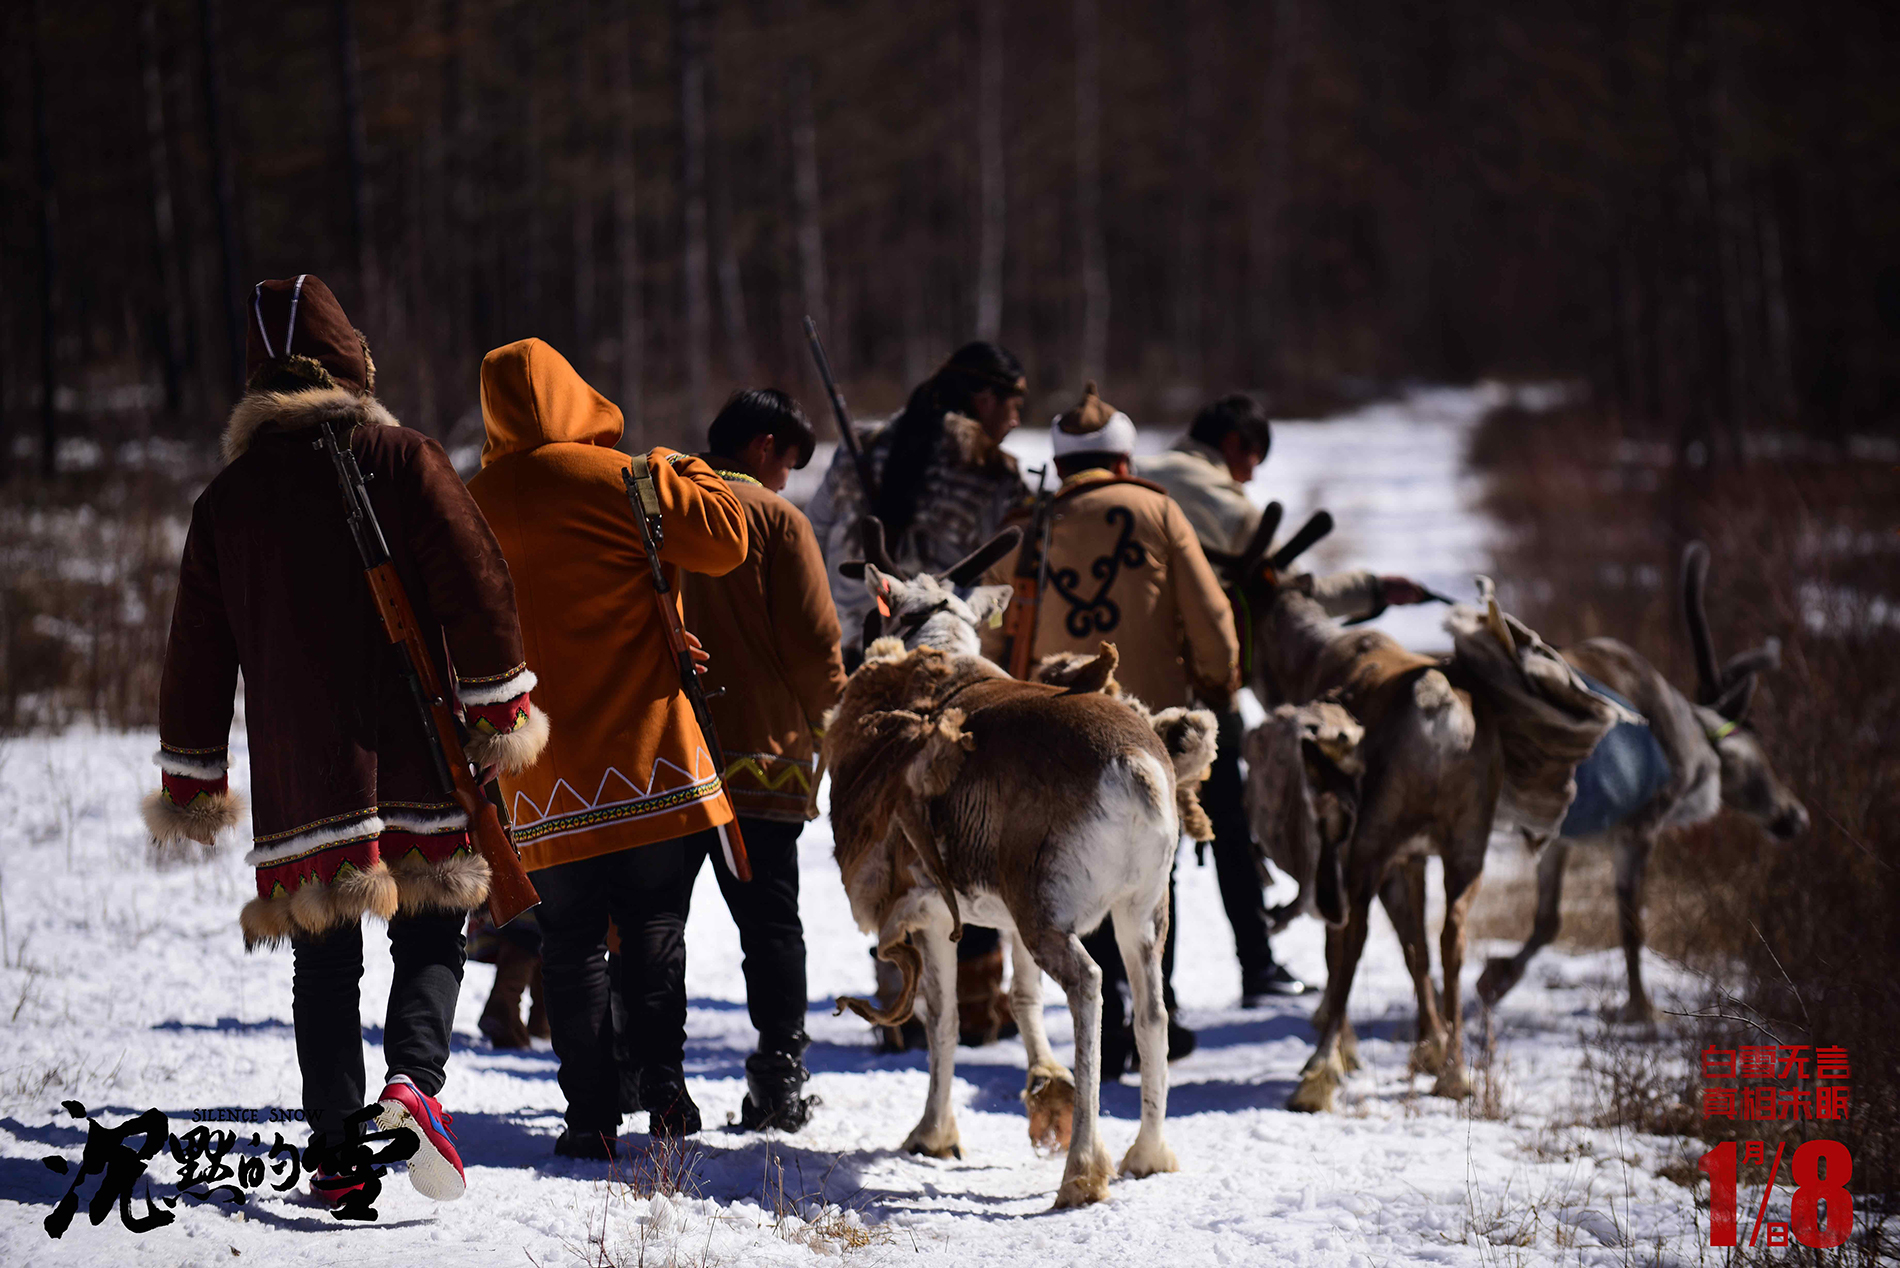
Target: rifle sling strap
643,487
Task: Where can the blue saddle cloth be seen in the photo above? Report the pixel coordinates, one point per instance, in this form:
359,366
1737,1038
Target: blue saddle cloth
1626,769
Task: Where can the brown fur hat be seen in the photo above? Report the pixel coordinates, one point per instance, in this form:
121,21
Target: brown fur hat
298,334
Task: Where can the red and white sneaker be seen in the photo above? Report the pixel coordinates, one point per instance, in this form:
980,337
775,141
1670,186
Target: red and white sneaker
332,1189
435,1168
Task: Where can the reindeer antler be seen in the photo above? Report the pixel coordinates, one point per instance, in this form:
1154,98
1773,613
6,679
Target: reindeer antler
876,553
1315,528
972,566
1260,542
1730,689
1695,576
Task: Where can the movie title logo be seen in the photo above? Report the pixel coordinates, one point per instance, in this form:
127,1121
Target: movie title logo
1781,1083
217,1166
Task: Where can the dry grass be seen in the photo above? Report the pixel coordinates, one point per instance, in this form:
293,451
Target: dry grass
88,566
640,1218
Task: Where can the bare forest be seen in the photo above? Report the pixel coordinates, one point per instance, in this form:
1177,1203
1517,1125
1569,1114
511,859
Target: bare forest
1690,206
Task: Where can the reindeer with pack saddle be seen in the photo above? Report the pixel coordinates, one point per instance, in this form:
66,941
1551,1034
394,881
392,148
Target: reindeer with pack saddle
1036,808
1678,767
1376,757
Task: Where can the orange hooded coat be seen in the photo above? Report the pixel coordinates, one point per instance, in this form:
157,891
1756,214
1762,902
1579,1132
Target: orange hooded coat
626,764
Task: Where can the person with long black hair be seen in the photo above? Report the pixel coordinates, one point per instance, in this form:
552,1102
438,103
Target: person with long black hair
944,484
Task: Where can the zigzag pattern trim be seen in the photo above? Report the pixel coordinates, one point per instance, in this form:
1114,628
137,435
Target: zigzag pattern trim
541,822
581,821
758,764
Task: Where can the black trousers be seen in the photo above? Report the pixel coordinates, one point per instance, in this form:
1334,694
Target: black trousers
770,933
645,892
1224,799
325,1008
1102,946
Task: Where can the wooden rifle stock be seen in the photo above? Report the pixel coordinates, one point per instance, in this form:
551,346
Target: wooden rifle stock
510,892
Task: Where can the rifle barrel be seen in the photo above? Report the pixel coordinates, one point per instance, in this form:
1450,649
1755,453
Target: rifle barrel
846,432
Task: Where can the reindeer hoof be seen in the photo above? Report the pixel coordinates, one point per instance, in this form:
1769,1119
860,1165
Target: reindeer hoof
1081,1191
1086,1180
1452,1085
1050,1100
1143,1160
950,1146
1499,976
1428,1056
1349,1053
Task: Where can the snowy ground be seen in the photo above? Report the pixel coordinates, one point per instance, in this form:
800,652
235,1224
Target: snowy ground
126,988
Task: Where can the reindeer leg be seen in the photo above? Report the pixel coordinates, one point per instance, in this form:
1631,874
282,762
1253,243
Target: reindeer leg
936,1133
1403,897
1632,871
1348,1038
1501,973
1064,958
1464,865
1140,934
1324,1069
1049,1094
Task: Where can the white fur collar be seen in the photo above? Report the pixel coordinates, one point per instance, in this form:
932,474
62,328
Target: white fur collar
288,411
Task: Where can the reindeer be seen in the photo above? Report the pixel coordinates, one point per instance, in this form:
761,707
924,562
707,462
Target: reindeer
1439,742
1712,758
1035,808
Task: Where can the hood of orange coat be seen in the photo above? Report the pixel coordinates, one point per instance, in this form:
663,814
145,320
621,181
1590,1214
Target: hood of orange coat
532,397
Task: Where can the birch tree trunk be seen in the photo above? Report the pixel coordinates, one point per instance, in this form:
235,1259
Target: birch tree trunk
223,190
806,206
1088,187
626,239
49,248
1190,280
1270,192
172,342
581,158
689,17
990,168
731,284
356,159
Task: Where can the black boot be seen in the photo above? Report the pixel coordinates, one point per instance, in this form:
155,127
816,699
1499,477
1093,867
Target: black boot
671,1112
1260,983
773,1082
1118,1051
596,1145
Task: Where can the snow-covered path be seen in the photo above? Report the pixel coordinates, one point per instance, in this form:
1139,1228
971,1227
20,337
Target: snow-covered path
125,989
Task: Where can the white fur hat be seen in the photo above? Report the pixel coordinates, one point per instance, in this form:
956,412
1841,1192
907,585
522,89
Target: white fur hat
1092,426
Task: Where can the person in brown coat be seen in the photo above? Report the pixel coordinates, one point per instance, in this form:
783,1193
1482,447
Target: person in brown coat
605,816
1124,566
348,817
1206,471
773,639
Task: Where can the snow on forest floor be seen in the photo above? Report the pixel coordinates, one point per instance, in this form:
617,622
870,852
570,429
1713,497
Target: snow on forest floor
125,989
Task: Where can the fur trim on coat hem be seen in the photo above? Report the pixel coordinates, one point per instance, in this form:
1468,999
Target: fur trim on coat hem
173,825
502,689
458,883
314,908
514,751
189,767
